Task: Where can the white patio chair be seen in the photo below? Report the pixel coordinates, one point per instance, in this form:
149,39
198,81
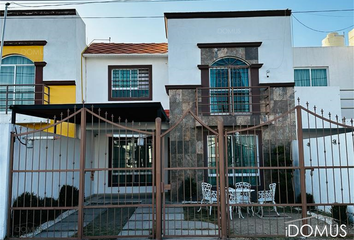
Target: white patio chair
243,194
267,196
230,192
209,195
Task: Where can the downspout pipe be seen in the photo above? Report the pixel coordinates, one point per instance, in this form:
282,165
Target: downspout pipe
82,77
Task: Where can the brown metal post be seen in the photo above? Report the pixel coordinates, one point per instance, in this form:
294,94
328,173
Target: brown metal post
12,138
82,174
222,179
7,99
158,179
302,167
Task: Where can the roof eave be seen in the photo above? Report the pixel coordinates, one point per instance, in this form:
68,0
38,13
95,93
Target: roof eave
92,55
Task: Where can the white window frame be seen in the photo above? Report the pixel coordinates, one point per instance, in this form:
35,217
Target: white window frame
309,68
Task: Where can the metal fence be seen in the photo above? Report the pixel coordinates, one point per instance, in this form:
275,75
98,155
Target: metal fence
120,179
232,100
23,94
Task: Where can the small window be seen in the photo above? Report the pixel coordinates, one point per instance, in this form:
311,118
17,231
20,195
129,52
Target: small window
130,83
310,77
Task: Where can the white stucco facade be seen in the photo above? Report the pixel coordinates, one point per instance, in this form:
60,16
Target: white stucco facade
66,39
96,76
275,52
339,62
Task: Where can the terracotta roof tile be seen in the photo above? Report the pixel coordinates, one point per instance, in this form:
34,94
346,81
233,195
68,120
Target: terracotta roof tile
127,48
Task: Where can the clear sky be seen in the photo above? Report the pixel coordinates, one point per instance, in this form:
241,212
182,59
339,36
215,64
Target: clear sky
114,19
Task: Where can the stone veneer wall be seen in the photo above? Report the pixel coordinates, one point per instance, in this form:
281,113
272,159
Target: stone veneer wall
209,55
186,145
186,141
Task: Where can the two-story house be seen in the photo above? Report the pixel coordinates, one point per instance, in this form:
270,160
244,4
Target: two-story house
40,66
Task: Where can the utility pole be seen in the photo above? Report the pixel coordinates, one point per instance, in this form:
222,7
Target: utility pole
3,32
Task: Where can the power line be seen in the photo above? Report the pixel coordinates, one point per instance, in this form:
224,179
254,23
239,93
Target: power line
58,4
322,31
83,17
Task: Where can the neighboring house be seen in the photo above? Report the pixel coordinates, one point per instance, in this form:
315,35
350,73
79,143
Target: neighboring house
324,78
40,65
325,81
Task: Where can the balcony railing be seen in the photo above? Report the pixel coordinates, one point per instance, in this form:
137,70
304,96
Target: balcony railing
232,100
23,94
347,102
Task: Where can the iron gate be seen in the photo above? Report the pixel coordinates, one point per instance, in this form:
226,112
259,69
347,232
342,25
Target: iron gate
91,176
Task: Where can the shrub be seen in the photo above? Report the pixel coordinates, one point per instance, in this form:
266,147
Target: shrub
309,199
68,196
339,213
25,221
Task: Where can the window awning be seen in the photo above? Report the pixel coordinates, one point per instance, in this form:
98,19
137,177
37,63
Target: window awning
137,112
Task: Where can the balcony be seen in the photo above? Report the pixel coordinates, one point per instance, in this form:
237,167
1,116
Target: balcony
23,94
232,100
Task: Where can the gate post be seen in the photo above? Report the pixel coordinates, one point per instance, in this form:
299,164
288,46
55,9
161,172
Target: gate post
9,192
302,167
82,173
222,179
158,179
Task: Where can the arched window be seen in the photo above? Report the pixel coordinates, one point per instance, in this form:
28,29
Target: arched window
16,71
229,83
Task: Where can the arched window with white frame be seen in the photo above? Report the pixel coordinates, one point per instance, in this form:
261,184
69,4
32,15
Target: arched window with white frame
17,79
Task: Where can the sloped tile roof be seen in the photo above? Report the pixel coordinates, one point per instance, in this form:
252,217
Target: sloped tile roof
127,48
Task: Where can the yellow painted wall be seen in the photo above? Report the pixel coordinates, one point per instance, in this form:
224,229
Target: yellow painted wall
351,37
64,129
60,95
35,53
